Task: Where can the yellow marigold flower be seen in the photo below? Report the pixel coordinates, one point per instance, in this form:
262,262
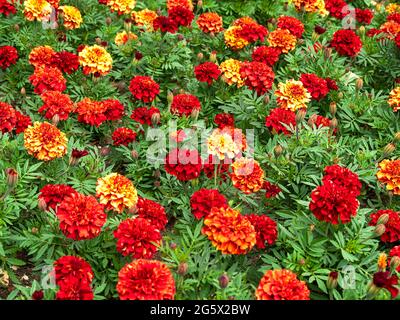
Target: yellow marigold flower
232,38
244,20
116,192
72,17
95,59
37,10
394,99
229,231
122,6
231,72
123,37
222,143
317,6
247,175
183,3
282,39
210,22
382,261
389,174
44,141
392,8
292,95
144,18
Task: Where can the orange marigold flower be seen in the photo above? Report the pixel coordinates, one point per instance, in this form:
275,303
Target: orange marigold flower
116,192
95,59
231,72
182,3
145,280
229,231
72,17
244,20
282,39
56,103
292,95
48,79
123,37
233,38
282,285
247,175
37,10
121,6
210,22
54,3
382,261
91,112
389,174
144,18
392,28
394,99
41,56
45,142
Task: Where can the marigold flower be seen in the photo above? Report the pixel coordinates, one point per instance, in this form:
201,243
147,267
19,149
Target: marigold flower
223,120
271,190
144,18
231,72
7,8
247,175
391,28
183,163
8,117
222,143
336,8
258,76
292,24
8,56
203,200
282,39
392,227
145,280
389,174
213,165
395,252
281,285
95,59
316,86
384,279
278,118
54,194
56,103
41,56
37,10
123,37
292,95
165,24
210,22
116,192
121,6
207,72
317,6
180,3
382,261
267,55
144,88
266,230
233,38
72,17
153,212
393,8
73,289
23,122
47,79
343,177
45,142
394,99
114,109
364,16
229,231
184,104
144,115
138,238
181,16
346,42
81,217
123,136
65,61
91,112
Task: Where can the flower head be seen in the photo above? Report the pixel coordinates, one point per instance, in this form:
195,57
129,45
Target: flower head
384,279
153,212
316,86
123,136
65,61
185,164
91,112
231,72
7,7
8,117
95,59
54,194
121,6
8,56
292,95
47,79
292,24
282,39
223,120
144,115
233,38
389,175
394,99
123,37
203,200
278,118
346,42
247,175
207,72
165,24
36,10
210,22
392,227
181,16
267,55
258,76
23,122
56,103
343,177
180,3
144,18
184,104
144,88
316,6
224,143
266,230
72,17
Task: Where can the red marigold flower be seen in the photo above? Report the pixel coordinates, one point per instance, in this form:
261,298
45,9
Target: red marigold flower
54,194
373,32
75,267
343,177
144,115
271,190
281,285
65,61
336,8
207,72
38,295
152,211
277,118
77,154
258,76
331,84
395,252
123,136
266,230
392,227
223,120
47,79
384,279
247,175
316,86
114,109
181,16
81,217
8,56
209,167
333,203
145,280
183,163
137,237
210,22
56,103
251,32
8,117
184,104
320,121
319,30
6,7
346,42
165,24
364,16
203,200
394,17
73,289
23,122
292,24
144,88
229,231
268,55
91,112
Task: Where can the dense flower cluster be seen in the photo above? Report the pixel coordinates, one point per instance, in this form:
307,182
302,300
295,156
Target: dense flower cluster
247,175
364,16
392,226
346,42
8,56
184,104
210,22
144,88
95,60
257,76
91,112
123,136
389,175
266,230
292,95
184,164
207,72
203,200
278,120
152,211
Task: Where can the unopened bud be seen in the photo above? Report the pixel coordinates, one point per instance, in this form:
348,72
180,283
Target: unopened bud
314,36
170,97
127,24
302,262
278,150
200,56
183,268
155,118
195,114
213,56
312,119
98,41
55,120
23,91
12,177
332,280
332,108
157,174
173,245
312,227
35,230
327,52
300,115
361,30
108,21
200,4
267,99
181,37
379,230
157,184
394,263
397,137
372,290
359,83
105,151
4,278
134,154
223,281
16,27
340,95
378,7
333,124
389,148
42,205
194,182
383,219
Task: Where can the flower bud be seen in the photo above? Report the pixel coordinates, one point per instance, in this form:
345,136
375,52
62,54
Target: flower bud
213,56
55,120
200,56
173,245
267,99
108,21
314,36
212,35
170,97
359,83
181,37
194,182
38,295
98,40
300,115
4,278
340,95
195,114
383,219
223,281
332,280
16,27
389,148
199,4
183,268
372,290
332,108
12,177
157,184
327,52
157,174
127,24
302,262
105,151
42,205
379,230
397,136
34,230
155,118
394,263
23,91
134,154
382,261
333,124
312,119
278,150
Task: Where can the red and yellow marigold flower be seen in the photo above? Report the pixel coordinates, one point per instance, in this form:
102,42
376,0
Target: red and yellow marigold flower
180,3
145,280
222,144
247,175
37,10
116,192
72,17
316,6
389,175
229,231
121,6
233,38
210,22
231,72
56,104
41,56
282,39
91,112
281,285
48,79
393,8
123,37
144,18
95,59
292,95
394,99
44,141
